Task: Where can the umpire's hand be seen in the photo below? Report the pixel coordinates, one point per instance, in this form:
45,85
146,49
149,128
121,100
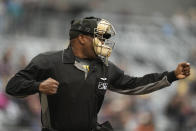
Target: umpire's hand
49,86
183,70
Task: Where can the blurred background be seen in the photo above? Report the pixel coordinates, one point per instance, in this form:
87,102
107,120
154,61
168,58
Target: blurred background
152,36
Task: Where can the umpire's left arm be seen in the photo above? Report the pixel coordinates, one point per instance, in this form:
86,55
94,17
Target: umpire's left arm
125,84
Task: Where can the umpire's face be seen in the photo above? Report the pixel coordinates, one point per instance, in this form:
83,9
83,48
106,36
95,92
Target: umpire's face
87,46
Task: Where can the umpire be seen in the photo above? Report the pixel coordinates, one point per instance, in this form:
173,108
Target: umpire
72,82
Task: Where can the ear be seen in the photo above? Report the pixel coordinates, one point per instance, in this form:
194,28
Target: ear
81,38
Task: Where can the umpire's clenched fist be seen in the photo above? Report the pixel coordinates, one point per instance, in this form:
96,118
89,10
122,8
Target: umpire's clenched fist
183,70
49,86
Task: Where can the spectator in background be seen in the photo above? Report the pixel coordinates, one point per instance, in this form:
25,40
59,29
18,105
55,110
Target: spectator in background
192,57
192,15
3,98
181,114
22,62
5,65
146,122
173,112
15,12
2,16
180,20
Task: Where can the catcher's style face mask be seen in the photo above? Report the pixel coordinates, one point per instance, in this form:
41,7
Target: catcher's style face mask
102,43
100,29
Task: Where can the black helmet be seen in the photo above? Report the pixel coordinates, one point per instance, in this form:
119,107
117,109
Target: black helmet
89,26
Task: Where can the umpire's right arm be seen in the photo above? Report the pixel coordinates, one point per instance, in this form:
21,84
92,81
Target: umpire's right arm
33,79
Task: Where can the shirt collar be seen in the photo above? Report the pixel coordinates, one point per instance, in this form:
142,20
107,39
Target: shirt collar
68,56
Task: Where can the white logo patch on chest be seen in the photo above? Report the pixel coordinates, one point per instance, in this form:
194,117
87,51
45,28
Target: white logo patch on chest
102,86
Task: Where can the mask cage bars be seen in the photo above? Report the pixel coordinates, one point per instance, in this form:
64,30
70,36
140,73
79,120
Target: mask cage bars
103,33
